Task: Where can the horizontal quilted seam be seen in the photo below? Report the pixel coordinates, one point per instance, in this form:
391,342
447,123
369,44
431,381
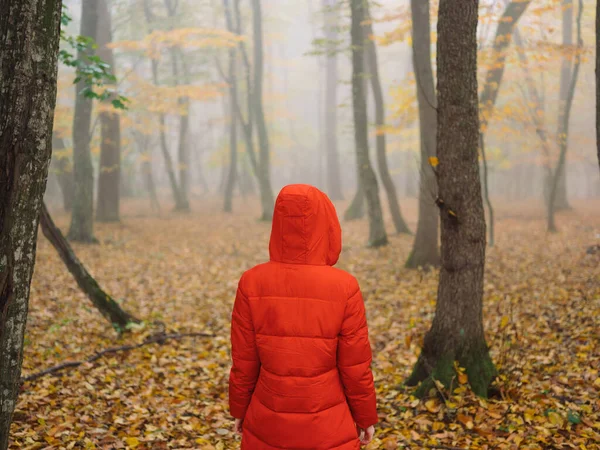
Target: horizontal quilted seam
265,386
322,338
299,412
283,297
298,376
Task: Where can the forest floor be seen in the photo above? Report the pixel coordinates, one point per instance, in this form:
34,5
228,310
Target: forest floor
541,314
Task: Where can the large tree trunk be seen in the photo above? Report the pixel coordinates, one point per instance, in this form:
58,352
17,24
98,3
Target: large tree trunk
29,33
425,251
101,300
382,164
334,181
82,219
264,165
109,177
561,201
64,174
564,127
233,101
457,330
513,12
368,180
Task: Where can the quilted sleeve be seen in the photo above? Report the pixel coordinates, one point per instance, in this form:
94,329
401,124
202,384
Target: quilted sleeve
354,363
246,364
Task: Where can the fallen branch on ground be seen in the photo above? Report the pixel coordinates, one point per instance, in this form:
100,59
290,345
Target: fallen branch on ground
158,338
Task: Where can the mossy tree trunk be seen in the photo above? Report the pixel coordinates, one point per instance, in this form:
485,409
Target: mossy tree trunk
82,218
109,177
457,331
368,180
100,299
425,251
29,32
382,164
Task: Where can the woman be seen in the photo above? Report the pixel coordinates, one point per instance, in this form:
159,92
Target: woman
301,376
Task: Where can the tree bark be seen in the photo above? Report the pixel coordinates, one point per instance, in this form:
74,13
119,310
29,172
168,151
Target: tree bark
368,180
82,219
382,164
264,166
64,174
513,12
334,181
457,330
100,299
562,201
564,126
425,251
233,101
109,177
29,33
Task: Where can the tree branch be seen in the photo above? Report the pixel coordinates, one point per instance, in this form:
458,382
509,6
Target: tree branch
158,338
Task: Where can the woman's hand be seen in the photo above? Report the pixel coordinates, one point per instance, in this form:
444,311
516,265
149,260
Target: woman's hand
366,436
238,426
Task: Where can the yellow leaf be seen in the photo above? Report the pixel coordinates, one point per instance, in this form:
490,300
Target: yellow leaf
432,405
504,322
133,442
463,378
555,419
433,161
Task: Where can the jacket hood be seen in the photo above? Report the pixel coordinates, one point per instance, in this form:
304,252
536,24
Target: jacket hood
305,228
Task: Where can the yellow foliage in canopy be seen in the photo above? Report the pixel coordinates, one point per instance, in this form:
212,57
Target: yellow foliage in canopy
167,99
404,109
187,38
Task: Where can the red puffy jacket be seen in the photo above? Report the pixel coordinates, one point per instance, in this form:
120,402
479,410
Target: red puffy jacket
301,376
